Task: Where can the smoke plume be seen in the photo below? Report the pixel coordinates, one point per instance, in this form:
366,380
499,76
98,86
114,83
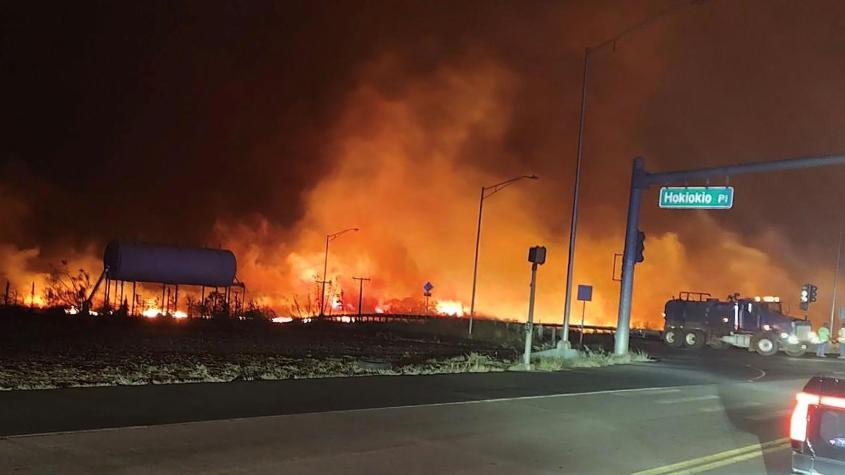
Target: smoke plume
263,128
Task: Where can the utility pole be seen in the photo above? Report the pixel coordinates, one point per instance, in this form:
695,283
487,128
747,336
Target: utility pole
360,293
835,278
32,297
6,295
322,283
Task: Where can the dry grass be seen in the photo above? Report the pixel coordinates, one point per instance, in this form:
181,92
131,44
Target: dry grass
471,363
249,367
39,352
591,359
206,368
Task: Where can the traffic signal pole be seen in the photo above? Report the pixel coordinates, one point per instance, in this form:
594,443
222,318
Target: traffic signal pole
629,259
641,180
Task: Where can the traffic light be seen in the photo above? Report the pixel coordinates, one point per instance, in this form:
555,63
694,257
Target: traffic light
809,294
537,255
640,246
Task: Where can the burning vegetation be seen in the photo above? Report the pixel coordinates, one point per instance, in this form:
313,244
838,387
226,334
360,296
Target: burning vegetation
396,136
401,173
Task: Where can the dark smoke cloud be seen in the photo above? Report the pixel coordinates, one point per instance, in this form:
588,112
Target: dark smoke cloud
142,119
162,120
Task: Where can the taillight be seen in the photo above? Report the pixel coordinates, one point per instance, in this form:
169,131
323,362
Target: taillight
831,401
798,422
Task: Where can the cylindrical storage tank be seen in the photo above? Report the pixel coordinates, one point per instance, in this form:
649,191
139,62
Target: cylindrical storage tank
133,262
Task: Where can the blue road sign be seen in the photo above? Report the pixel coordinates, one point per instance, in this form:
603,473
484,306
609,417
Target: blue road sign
585,293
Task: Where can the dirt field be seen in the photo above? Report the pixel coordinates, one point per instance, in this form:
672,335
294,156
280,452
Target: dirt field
46,351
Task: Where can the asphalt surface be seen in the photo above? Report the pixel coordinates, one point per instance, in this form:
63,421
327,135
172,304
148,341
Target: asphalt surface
690,412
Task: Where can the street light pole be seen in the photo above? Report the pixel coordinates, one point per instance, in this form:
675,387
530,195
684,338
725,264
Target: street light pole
323,280
475,263
573,222
329,237
835,278
486,192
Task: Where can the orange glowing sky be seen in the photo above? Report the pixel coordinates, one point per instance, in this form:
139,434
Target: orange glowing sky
255,130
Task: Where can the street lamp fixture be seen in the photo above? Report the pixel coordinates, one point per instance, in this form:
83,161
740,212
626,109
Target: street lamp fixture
486,192
329,238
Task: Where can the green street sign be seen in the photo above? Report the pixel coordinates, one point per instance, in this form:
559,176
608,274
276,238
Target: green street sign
697,197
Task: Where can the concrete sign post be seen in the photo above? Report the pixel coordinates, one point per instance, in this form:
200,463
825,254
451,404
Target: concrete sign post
536,256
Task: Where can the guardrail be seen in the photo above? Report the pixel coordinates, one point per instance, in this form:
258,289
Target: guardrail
394,317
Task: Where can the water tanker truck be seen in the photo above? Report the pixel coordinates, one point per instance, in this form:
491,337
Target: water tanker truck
695,319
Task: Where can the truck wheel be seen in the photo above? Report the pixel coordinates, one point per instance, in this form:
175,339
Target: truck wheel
796,351
717,344
695,339
764,344
673,338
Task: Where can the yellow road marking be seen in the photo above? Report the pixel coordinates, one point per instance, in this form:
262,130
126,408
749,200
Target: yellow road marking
730,461
750,451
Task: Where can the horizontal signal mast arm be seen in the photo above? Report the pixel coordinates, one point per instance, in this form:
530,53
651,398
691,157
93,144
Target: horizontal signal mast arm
646,179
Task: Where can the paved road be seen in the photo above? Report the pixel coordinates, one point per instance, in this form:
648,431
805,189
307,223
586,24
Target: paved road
710,412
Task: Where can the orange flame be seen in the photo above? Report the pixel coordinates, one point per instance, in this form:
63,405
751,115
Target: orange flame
453,308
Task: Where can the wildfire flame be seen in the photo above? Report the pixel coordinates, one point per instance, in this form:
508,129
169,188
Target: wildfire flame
417,215
152,312
453,308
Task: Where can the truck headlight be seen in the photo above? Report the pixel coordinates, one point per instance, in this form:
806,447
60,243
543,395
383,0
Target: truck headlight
784,335
767,327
